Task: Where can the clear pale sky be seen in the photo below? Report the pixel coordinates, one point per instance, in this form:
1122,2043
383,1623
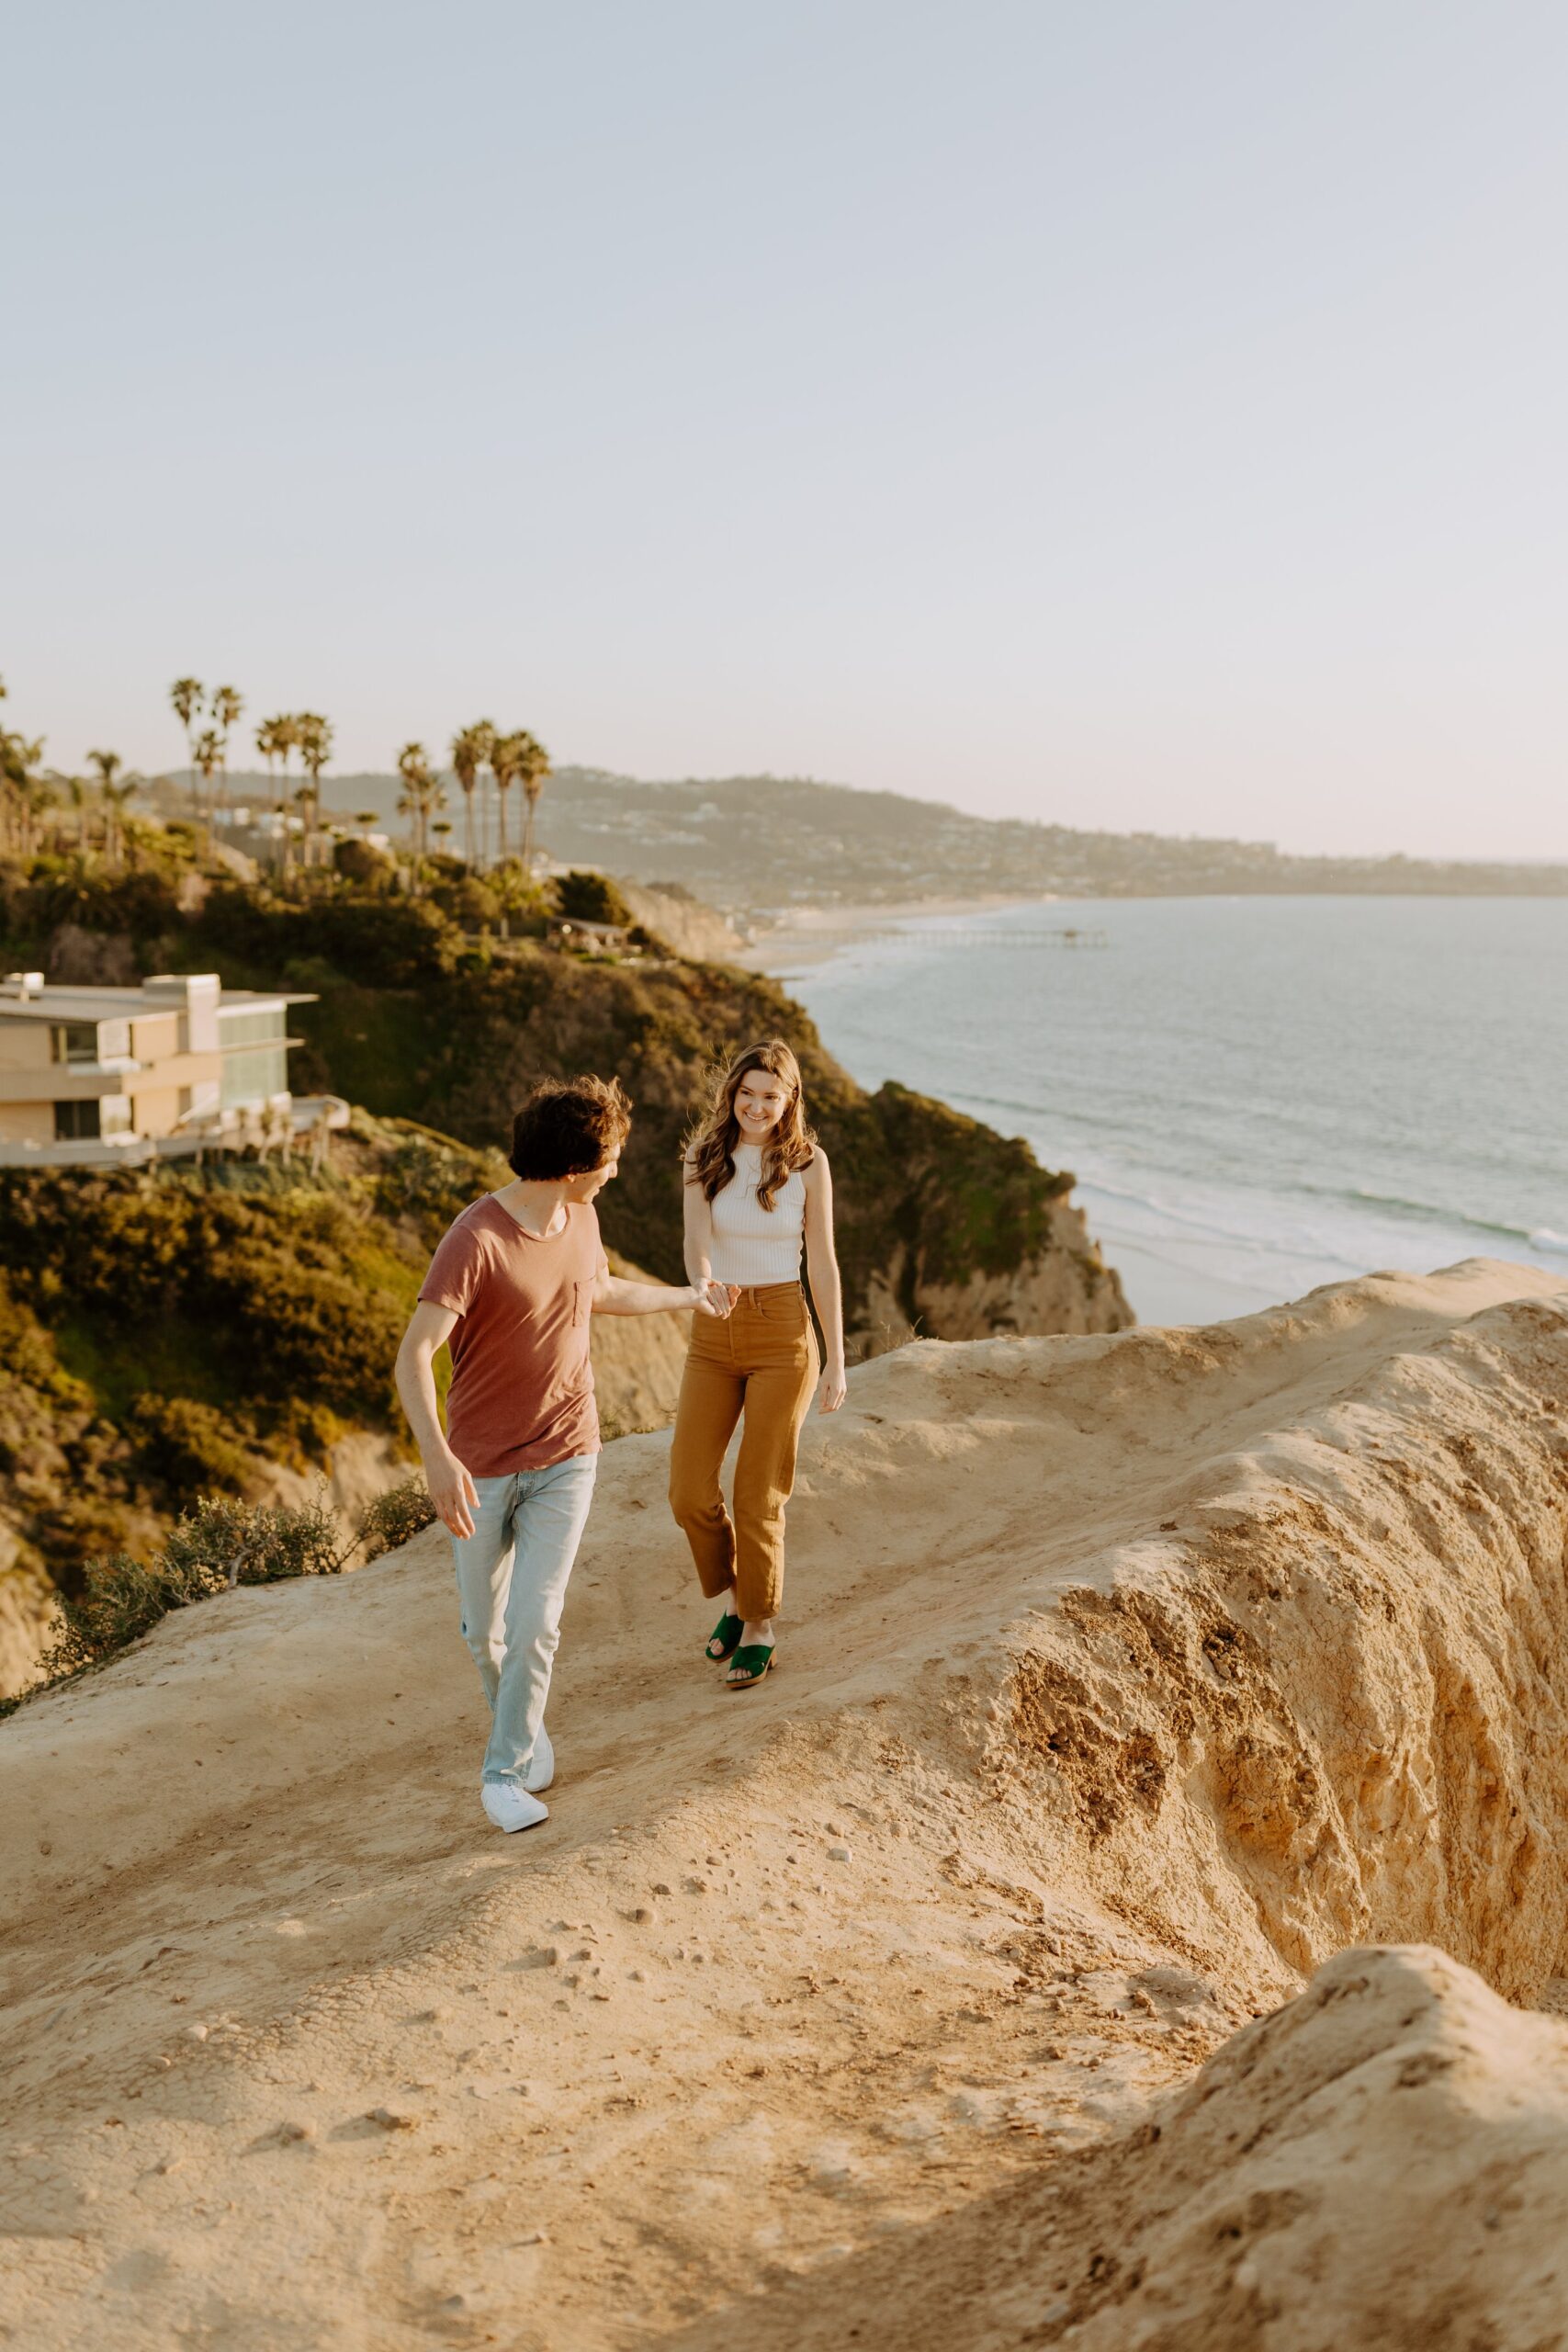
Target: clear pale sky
1147,415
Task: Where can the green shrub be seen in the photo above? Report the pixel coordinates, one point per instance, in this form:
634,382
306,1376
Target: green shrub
256,1542
121,1599
387,942
220,1543
357,861
395,1518
584,897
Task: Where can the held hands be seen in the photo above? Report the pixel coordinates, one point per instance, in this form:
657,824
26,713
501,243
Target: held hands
709,1298
453,1492
832,1389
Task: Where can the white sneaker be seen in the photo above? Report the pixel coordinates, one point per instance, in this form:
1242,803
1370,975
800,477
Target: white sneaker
542,1771
511,1807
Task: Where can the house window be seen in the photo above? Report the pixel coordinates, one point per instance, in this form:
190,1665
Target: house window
255,1074
255,1055
266,1027
106,1114
76,1041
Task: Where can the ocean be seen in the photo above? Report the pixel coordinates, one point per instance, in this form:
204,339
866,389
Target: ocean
1257,1095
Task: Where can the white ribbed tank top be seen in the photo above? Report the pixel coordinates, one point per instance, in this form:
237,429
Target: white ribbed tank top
752,1244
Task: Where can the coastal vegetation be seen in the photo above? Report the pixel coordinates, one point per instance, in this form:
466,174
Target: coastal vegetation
218,1544
174,1332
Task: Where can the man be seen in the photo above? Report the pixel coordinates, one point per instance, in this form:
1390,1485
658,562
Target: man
511,1289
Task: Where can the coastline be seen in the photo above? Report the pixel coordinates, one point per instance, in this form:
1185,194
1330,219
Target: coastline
801,937
1183,1078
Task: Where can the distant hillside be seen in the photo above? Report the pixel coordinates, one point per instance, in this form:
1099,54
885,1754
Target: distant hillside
748,843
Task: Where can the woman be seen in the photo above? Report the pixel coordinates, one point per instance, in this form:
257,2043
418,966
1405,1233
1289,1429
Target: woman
757,1183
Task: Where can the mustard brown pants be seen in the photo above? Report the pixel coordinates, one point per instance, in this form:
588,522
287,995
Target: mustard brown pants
760,1363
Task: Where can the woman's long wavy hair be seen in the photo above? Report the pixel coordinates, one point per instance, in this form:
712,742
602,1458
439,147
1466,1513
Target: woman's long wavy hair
792,1145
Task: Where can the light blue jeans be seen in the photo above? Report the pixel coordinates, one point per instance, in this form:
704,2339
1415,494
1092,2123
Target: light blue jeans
512,1572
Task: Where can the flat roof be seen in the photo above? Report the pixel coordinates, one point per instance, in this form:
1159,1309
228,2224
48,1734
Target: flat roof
65,1003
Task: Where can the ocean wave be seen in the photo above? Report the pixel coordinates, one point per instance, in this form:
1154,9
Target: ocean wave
1543,1238
1427,1213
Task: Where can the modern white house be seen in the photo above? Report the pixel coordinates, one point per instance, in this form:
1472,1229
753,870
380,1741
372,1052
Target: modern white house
112,1077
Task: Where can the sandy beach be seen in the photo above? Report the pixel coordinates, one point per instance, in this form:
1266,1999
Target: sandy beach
805,935
956,1986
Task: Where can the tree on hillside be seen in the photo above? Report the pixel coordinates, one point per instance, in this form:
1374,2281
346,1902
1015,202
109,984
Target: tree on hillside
227,708
314,735
209,759
108,766
116,837
35,797
417,799
470,749
186,696
275,737
534,770
268,746
79,793
18,760
506,766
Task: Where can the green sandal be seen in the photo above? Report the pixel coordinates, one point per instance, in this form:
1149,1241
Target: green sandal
756,1658
724,1636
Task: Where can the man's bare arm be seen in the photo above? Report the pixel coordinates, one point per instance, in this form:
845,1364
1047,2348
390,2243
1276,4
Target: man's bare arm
451,1488
613,1295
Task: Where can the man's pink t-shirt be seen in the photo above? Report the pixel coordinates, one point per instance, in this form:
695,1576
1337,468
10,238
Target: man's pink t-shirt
522,1393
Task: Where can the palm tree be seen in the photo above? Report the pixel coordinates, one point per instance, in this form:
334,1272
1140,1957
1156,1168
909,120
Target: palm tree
483,733
117,799
506,766
275,737
314,735
467,758
421,796
18,758
108,766
36,796
209,759
79,794
534,770
185,696
365,819
227,708
268,745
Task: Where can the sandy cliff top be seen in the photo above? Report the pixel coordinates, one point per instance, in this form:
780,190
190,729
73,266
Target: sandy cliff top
1127,1679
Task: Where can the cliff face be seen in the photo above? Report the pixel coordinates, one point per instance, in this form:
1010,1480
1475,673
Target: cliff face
1064,1286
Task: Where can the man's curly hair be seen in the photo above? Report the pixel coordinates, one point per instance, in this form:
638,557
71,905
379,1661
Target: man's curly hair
569,1125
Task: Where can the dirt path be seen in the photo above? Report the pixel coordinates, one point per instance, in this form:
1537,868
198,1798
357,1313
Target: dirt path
299,2052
